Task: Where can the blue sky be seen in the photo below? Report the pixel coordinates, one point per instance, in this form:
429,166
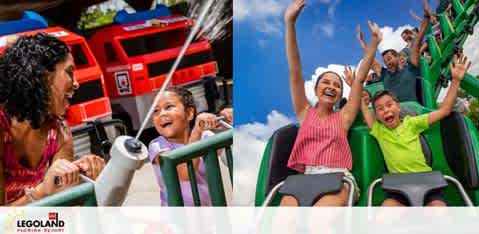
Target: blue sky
325,34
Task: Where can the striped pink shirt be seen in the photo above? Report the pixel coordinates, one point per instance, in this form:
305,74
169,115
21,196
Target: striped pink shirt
321,144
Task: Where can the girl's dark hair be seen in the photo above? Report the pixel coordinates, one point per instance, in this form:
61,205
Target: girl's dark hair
324,73
23,76
186,99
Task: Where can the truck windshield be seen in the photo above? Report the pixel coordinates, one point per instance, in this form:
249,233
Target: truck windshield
153,42
79,56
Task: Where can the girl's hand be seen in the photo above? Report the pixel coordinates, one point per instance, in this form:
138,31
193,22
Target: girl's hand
205,121
459,68
91,165
377,35
349,75
293,10
228,114
66,171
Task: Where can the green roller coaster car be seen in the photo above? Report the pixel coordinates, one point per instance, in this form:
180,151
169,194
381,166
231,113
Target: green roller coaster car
451,146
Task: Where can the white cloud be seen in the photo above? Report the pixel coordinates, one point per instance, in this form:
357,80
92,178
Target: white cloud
269,27
251,139
331,11
264,14
392,38
332,8
327,29
471,51
267,15
309,84
262,43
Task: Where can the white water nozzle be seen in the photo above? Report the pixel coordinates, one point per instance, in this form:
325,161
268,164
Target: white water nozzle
127,156
133,146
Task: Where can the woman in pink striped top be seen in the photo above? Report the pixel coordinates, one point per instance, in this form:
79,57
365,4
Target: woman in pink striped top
322,145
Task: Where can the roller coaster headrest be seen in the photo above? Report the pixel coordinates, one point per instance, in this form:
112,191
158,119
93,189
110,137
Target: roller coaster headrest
123,17
29,21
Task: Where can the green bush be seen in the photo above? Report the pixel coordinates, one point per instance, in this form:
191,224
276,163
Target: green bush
473,112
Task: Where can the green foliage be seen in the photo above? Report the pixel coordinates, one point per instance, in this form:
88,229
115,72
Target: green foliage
169,3
95,18
462,94
473,112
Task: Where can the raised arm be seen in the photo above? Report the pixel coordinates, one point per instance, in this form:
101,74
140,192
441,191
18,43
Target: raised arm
368,116
360,37
458,69
415,16
350,110
415,51
298,95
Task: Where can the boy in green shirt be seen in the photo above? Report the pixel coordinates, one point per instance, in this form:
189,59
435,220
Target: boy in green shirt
399,140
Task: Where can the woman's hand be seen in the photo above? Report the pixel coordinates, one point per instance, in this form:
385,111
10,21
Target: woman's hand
349,75
60,175
293,10
91,165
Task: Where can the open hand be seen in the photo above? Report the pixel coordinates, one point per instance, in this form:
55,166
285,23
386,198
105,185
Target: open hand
359,33
459,67
365,99
293,10
427,9
349,75
377,35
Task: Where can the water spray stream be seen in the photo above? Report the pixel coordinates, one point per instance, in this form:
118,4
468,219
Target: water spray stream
190,38
217,20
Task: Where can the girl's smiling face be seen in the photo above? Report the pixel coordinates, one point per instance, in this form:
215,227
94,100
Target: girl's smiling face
171,119
329,89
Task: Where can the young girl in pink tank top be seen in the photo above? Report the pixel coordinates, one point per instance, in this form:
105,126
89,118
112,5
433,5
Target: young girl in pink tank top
322,145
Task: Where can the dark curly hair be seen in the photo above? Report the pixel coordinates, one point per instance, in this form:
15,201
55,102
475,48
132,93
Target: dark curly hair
186,99
23,78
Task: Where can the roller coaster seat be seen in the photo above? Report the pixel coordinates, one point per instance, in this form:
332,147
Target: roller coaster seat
415,186
282,143
459,150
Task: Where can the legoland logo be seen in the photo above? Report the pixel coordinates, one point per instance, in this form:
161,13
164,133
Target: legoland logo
51,224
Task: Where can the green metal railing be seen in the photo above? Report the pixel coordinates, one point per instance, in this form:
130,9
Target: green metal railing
83,194
455,34
206,149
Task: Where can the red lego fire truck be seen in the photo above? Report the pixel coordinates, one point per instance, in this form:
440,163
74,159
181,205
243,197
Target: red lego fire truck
136,53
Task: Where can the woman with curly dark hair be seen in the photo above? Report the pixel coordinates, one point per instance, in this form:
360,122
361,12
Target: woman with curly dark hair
36,85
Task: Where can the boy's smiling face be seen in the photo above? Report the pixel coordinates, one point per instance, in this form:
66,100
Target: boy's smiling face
387,111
